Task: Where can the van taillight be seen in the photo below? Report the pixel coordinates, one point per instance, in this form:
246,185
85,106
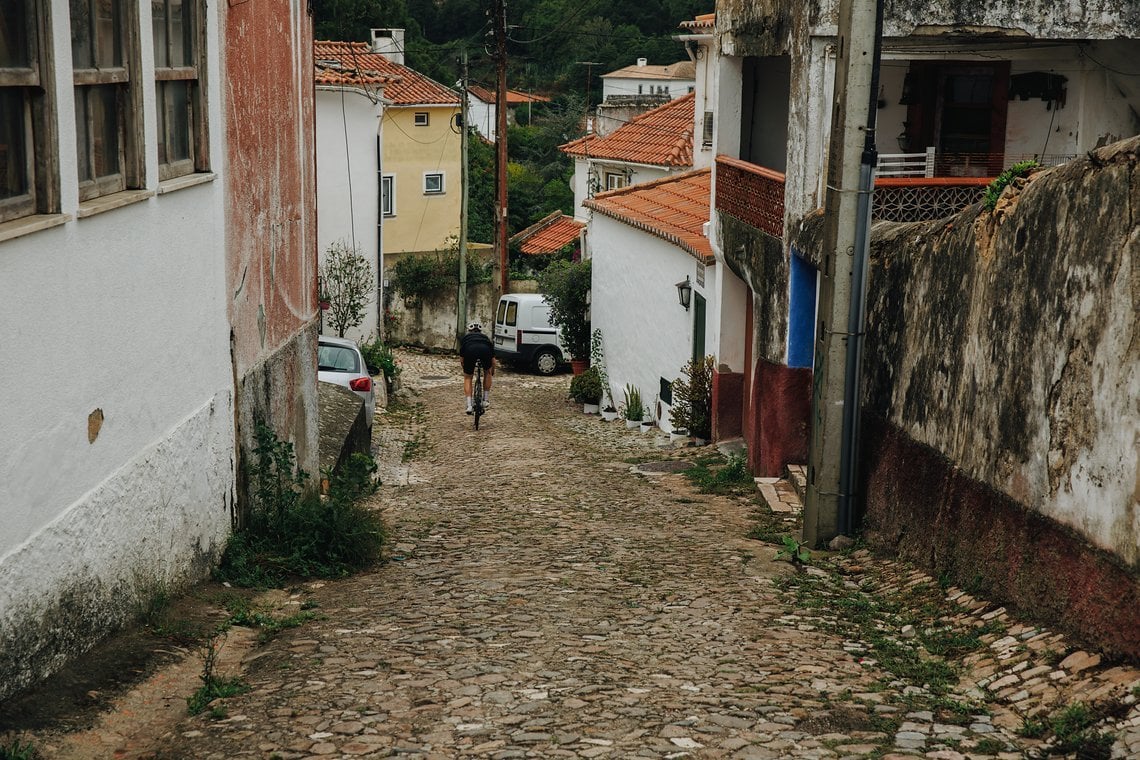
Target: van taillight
518,337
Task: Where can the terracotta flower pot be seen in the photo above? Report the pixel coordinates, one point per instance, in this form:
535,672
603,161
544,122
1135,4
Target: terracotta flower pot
578,366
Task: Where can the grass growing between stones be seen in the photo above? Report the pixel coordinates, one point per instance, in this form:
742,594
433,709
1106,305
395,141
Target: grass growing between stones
18,750
901,630
1074,730
714,474
242,613
213,686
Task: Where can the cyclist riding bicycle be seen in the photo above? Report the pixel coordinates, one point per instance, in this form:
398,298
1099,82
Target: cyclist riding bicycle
476,346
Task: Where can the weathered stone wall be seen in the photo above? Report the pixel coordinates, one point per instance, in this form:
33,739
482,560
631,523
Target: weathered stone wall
1002,393
431,323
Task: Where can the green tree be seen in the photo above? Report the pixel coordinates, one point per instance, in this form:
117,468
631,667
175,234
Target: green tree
567,288
347,283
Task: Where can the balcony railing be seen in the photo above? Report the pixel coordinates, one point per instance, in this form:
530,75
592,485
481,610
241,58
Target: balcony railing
751,193
921,199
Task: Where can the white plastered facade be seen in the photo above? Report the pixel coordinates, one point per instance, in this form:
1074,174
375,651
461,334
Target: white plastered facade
119,316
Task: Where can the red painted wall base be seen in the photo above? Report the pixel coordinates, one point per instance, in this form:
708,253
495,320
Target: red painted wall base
728,405
781,414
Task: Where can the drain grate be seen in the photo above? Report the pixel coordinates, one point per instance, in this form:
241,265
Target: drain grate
434,377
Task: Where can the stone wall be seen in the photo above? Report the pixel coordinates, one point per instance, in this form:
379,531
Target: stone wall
431,323
1002,394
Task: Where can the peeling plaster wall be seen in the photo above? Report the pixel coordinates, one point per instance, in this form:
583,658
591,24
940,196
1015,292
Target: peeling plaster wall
432,323
348,186
271,217
1009,344
646,334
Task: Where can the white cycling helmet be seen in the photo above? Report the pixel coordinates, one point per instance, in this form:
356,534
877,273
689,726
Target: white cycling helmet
474,327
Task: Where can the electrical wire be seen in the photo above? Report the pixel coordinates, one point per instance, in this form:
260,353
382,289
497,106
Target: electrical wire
1087,54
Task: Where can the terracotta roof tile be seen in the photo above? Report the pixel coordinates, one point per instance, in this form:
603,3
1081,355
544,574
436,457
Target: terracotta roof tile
663,137
514,97
355,61
680,70
674,209
549,234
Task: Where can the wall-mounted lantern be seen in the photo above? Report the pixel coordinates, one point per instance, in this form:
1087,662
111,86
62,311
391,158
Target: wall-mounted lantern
685,292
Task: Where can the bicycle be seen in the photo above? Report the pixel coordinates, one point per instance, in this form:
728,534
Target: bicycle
477,391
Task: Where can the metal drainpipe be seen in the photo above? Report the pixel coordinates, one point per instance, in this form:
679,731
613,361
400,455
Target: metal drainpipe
857,313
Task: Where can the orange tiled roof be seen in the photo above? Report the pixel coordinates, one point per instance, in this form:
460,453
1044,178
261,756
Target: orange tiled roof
348,60
663,137
549,234
514,97
674,209
680,70
703,21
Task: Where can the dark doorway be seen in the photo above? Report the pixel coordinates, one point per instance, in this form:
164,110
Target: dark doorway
698,327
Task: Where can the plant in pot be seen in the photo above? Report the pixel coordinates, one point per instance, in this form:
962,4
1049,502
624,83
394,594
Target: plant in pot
566,287
692,399
597,359
632,409
586,389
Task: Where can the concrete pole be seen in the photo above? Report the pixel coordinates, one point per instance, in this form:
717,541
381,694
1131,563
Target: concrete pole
461,301
832,457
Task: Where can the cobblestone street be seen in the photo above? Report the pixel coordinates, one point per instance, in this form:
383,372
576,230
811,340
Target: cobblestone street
544,598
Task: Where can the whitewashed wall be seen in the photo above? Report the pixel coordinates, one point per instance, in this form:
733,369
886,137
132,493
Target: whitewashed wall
122,311
645,332
674,88
638,174
348,189
482,116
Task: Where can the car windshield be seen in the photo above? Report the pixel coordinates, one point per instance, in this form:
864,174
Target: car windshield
337,359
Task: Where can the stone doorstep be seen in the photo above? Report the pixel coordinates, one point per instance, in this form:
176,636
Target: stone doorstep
779,496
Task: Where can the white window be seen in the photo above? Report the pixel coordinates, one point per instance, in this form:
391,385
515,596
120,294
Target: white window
29,160
421,118
178,70
388,195
614,180
107,105
707,130
433,183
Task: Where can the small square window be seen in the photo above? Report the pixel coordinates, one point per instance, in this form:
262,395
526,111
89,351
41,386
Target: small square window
421,118
433,183
614,181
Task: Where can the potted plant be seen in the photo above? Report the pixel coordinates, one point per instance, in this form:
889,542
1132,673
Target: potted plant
566,287
648,426
678,434
597,359
586,389
632,408
692,399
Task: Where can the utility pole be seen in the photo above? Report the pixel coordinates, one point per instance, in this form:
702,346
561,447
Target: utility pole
502,269
461,301
833,452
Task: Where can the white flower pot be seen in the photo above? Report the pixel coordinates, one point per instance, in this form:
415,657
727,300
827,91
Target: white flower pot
609,416
678,434
631,424
647,427
590,408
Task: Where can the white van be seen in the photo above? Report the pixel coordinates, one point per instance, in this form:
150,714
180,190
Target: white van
525,335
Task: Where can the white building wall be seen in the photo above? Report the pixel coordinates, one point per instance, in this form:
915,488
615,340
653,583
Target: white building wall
646,334
123,311
482,116
587,169
674,88
348,186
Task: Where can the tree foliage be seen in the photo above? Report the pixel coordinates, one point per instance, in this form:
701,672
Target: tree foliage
347,283
567,287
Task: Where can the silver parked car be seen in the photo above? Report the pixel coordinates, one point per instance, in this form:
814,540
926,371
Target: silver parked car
340,362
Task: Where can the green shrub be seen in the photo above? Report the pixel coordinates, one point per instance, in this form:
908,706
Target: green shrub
692,398
566,287
17,750
1003,180
586,388
380,358
632,409
291,531
418,277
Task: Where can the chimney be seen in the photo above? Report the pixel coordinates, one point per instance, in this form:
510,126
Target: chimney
642,61
389,43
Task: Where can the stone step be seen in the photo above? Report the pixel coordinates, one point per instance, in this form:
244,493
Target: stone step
779,495
796,474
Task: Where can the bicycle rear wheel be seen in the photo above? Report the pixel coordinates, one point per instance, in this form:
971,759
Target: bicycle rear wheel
477,390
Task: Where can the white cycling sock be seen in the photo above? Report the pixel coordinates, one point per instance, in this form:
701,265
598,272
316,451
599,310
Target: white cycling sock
469,402
486,395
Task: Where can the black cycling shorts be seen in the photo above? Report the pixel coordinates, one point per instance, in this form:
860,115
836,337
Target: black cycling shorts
485,355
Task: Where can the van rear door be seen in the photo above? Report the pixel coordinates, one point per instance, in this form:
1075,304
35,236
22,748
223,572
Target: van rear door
506,320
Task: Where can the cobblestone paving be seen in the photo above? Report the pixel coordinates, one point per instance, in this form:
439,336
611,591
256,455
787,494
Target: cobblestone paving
545,598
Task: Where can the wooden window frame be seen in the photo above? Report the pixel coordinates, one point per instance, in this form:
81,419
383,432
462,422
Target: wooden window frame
195,74
417,121
128,106
615,180
35,85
